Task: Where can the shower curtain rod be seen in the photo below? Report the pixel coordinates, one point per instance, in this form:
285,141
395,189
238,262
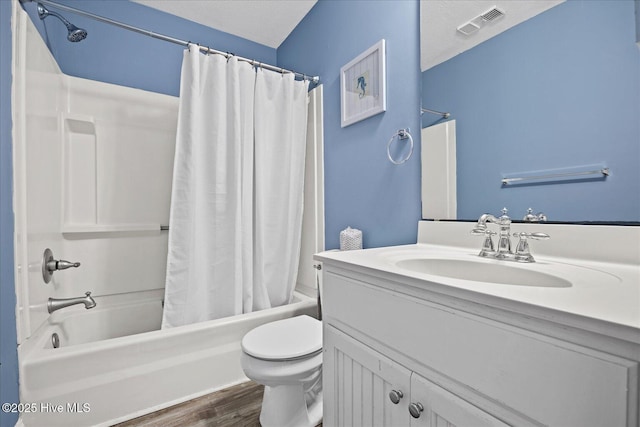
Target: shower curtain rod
203,49
440,113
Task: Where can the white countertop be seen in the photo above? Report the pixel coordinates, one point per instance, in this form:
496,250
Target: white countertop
603,291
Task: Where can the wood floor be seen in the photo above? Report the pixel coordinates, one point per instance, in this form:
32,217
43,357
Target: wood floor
232,407
237,406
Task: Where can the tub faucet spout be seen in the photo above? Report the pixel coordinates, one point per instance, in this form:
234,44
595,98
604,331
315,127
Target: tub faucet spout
57,303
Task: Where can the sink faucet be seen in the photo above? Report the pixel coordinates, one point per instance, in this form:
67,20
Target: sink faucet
504,240
504,251
531,217
56,304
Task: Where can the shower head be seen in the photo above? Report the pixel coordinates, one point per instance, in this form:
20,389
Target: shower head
75,34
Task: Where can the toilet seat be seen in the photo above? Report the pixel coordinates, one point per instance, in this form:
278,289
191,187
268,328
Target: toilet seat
286,339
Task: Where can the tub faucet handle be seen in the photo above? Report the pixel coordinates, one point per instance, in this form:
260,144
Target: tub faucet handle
51,265
63,265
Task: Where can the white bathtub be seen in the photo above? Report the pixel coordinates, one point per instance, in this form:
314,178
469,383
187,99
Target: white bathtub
114,363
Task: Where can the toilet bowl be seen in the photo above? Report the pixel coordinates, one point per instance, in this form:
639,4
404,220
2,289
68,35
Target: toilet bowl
286,357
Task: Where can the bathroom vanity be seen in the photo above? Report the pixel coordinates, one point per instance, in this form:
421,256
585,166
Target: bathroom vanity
430,334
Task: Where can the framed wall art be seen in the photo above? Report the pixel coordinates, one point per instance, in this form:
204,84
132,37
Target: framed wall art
363,85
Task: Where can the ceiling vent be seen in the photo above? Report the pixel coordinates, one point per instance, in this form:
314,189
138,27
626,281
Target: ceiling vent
476,23
468,28
492,14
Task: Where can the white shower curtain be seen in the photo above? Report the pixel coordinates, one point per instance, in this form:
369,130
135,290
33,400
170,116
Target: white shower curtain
236,205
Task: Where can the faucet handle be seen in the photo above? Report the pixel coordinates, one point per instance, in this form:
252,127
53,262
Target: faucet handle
488,250
522,250
51,265
539,236
62,265
535,236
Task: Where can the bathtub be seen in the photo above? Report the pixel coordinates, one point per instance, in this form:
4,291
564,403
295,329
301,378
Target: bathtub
114,363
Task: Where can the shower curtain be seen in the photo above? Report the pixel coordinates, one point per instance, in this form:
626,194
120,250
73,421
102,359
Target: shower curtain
236,205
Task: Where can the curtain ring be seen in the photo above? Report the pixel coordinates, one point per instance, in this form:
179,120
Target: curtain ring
401,134
193,44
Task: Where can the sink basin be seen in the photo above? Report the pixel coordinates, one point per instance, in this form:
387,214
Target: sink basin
500,273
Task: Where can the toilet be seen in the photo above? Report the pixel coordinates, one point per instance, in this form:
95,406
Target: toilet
286,357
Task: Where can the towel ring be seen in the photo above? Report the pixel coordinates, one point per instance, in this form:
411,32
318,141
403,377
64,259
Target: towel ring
401,134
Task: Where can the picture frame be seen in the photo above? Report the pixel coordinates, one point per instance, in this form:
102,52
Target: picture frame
363,85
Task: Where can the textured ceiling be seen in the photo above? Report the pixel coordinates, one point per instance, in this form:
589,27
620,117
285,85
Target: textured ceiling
439,38
269,22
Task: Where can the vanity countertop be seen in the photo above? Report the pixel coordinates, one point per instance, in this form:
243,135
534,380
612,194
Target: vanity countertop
604,291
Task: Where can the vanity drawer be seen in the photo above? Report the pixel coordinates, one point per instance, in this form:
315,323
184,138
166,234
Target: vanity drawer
548,380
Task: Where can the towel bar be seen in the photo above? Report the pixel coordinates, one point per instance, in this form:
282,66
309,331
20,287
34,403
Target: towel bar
507,181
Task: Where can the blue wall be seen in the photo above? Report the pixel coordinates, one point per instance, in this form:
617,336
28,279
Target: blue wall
561,89
8,351
113,55
362,188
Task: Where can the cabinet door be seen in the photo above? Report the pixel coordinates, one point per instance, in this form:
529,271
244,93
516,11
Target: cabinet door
357,383
444,409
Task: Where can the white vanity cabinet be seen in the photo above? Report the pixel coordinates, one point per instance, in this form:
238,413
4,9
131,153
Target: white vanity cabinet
369,389
442,408
360,381
466,363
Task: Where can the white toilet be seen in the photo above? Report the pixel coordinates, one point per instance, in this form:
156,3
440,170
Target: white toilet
286,357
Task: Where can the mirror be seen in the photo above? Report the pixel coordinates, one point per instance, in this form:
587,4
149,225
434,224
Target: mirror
556,95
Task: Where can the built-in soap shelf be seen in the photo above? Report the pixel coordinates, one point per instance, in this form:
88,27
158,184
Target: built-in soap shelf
88,204
79,163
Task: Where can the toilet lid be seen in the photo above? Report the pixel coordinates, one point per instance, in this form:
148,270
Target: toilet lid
284,339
